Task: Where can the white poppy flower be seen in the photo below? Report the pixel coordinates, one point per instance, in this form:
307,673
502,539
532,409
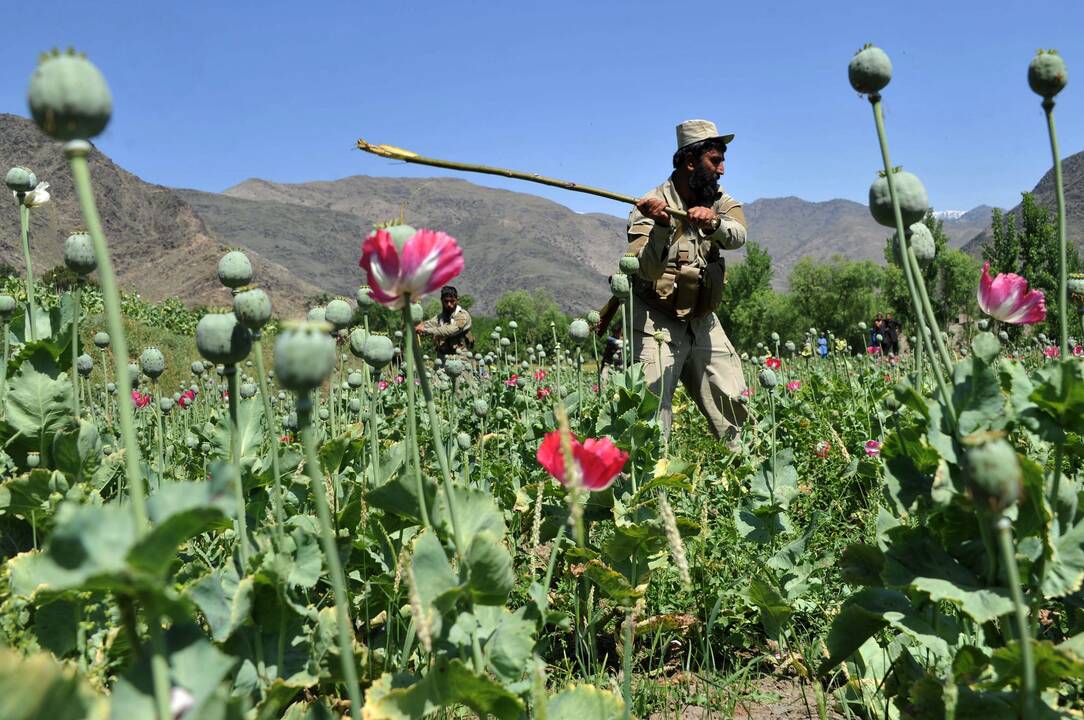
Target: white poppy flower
38,196
180,701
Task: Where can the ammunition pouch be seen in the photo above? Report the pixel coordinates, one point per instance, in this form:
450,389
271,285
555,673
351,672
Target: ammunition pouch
685,292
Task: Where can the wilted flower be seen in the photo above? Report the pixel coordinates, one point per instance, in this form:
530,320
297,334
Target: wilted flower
36,197
873,448
822,449
773,362
794,385
1006,298
599,460
427,261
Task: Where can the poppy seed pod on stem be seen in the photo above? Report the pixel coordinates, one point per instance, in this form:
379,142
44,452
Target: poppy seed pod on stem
152,362
252,308
79,253
234,270
339,314
7,307
870,70
304,357
619,286
1047,74
68,97
994,477
378,351
220,339
911,194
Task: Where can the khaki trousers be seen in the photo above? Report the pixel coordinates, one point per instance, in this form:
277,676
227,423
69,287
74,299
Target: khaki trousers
699,354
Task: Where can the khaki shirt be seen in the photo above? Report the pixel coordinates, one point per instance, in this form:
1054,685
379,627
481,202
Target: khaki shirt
659,246
450,335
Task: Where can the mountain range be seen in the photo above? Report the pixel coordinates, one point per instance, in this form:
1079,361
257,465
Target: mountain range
304,239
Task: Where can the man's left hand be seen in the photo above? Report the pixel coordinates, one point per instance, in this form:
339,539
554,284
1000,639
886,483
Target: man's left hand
420,328
704,218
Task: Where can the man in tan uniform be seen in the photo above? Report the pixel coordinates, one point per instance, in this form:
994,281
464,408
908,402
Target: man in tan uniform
680,281
449,328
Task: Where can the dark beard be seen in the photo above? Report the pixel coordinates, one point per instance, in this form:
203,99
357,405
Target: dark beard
704,185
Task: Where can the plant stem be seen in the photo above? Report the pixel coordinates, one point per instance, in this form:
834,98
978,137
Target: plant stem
75,351
1063,292
1008,554
24,227
412,417
235,463
331,553
4,382
272,435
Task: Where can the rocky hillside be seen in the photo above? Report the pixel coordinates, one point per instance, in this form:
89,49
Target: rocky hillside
1072,170
160,247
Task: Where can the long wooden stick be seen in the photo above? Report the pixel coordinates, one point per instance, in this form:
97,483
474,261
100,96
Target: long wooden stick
397,153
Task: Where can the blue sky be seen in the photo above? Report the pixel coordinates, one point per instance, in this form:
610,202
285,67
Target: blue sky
208,94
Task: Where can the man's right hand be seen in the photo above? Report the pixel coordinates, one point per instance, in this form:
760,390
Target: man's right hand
654,208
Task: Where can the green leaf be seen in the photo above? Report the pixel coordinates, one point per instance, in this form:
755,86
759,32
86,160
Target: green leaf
977,396
760,524
180,511
56,626
1065,569
38,687
611,583
775,483
434,580
476,511
77,450
39,397
224,599
584,702
250,433
448,683
490,566
510,646
1052,666
26,493
862,615
916,560
775,612
861,564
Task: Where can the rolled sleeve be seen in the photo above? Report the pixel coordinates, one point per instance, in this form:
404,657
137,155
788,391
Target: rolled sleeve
731,233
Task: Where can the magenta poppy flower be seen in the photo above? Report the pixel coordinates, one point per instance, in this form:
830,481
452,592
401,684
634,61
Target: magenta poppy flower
599,460
542,393
383,384
511,381
794,385
540,375
1078,350
873,350
427,261
1006,298
1051,351
873,448
747,392
773,363
140,400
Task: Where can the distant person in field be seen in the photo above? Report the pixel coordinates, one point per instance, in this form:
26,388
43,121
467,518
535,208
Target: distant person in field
822,346
892,335
449,328
680,282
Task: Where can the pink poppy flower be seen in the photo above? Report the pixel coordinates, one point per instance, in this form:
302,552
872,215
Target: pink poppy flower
542,393
873,350
140,400
383,384
794,385
599,460
773,362
1051,351
595,388
747,392
1006,298
427,261
187,398
873,448
511,381
540,375
1078,350
822,449
399,379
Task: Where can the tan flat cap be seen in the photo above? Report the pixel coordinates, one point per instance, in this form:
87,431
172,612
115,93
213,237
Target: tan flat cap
692,131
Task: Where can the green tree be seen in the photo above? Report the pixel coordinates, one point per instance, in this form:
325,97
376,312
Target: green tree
743,281
837,294
533,312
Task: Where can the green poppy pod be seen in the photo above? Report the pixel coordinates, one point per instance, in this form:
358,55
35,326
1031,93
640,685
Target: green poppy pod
378,351
197,368
512,324
1075,286
789,346
994,477
304,357
20,179
317,315
234,269
84,365
248,390
165,404
480,408
111,388
323,413
1047,74
191,441
870,70
861,326
455,367
922,242
364,298
355,406
252,308
7,307
579,330
134,375
357,341
339,313
400,234
290,421
68,97
101,340
79,253
152,362
417,313
629,264
593,318
355,380
220,339
33,459
463,441
768,378
619,286
910,192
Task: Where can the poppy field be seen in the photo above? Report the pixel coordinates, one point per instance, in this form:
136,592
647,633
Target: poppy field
255,517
